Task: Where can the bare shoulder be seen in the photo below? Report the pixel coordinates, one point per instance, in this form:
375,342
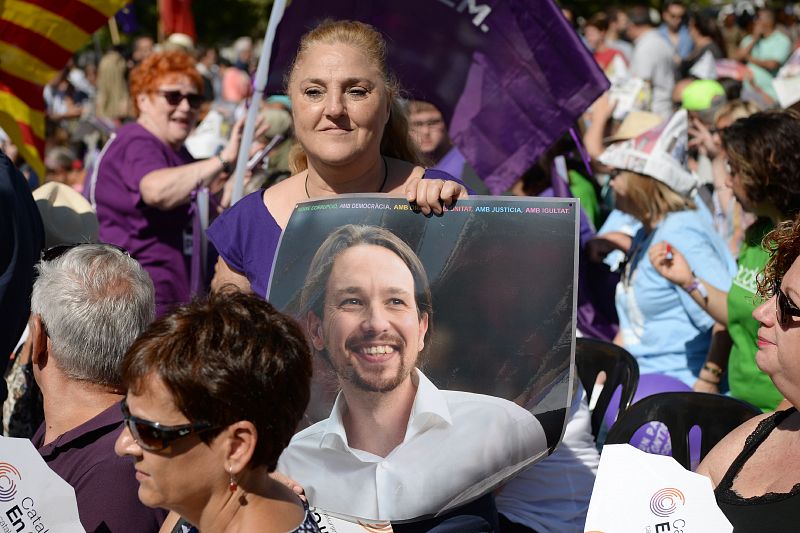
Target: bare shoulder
281,198
719,459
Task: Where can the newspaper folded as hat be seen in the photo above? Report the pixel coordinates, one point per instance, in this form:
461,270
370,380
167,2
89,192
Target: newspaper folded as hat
660,153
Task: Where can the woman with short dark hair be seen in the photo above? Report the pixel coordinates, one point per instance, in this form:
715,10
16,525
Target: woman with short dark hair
215,392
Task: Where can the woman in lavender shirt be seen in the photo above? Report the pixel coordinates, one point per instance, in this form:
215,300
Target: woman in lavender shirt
352,135
146,177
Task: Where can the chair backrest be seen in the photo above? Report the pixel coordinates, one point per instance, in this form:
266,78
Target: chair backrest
593,356
716,416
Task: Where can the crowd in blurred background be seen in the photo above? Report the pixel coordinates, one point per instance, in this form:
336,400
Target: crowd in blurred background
684,168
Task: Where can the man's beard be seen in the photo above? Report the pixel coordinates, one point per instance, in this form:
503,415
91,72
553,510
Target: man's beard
377,384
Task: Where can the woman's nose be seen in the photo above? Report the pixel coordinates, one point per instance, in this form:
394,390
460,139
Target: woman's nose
126,445
333,104
766,313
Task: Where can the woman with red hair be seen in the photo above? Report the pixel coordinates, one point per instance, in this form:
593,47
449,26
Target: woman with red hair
145,179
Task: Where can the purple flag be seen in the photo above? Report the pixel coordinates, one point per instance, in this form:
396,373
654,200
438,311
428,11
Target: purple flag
126,18
510,76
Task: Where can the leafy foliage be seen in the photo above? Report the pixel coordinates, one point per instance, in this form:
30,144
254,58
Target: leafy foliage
217,21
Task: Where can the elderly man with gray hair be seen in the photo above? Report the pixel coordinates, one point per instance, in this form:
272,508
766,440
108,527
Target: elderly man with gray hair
89,303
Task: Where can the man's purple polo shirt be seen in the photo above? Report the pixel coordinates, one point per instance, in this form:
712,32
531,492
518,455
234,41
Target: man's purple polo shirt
104,483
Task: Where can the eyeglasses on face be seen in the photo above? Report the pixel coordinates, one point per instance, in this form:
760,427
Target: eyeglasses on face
784,306
58,250
175,97
431,123
152,436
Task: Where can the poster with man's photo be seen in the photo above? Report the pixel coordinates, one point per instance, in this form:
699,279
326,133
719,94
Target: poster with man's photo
442,347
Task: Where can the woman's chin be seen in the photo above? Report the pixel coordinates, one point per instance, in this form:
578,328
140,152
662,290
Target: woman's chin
149,498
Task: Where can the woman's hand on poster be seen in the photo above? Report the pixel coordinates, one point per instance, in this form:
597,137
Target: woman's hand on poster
432,196
670,263
296,487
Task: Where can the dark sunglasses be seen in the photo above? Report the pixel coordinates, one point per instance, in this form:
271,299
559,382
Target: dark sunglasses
174,98
152,436
784,306
58,250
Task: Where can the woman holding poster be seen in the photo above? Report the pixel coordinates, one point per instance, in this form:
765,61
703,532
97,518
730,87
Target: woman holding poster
352,135
660,323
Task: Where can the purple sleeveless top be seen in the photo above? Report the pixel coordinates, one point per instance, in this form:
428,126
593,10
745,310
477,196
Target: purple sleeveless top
247,235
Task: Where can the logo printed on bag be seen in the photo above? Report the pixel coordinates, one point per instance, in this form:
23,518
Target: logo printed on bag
9,475
665,502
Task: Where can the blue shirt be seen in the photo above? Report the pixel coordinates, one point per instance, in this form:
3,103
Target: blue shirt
685,44
621,222
661,325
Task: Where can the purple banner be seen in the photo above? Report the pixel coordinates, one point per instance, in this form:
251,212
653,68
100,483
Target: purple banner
510,76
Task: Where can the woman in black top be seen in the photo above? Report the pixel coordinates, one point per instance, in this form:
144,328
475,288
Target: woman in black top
756,468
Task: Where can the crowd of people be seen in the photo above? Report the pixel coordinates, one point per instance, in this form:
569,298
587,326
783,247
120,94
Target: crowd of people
170,411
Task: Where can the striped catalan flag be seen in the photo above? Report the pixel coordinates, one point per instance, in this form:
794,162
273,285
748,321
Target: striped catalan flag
37,38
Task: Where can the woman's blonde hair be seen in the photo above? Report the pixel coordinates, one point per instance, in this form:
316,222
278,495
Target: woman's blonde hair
734,110
113,100
395,141
652,199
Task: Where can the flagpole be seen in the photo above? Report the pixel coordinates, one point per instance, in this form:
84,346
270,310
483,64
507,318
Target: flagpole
258,91
114,29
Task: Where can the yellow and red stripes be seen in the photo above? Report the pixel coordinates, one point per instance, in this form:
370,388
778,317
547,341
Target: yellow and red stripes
37,38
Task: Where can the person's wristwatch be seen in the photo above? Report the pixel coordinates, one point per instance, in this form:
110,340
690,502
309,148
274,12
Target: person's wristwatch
226,165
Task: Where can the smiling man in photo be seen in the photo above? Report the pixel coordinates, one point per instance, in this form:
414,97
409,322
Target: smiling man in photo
394,447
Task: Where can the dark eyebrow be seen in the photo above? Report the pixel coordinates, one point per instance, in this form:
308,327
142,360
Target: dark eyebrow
346,82
394,291
347,290
398,291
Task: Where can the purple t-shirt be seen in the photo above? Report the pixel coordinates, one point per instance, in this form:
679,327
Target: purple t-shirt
247,236
105,484
153,237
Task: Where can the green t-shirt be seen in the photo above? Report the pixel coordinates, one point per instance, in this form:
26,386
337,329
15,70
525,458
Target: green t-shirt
747,381
583,189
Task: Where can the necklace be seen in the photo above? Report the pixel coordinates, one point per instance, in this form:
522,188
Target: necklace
383,184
